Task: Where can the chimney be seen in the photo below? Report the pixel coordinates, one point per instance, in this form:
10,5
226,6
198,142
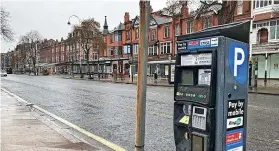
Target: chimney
126,17
185,10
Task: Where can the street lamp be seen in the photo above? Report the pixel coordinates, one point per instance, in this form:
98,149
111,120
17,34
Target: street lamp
69,23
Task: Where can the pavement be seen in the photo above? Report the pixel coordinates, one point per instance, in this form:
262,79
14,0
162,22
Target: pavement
164,83
108,110
21,130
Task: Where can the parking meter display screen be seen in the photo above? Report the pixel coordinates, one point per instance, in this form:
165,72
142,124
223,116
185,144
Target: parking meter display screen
187,77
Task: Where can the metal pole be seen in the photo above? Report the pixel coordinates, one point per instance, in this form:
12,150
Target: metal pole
265,69
250,46
132,54
142,71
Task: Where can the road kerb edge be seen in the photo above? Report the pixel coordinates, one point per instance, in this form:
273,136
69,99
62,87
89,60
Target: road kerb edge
81,130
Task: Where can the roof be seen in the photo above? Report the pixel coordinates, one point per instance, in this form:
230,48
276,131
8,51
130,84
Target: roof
154,19
161,20
119,27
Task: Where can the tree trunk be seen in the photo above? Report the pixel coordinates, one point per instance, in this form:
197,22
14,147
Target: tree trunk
88,67
34,65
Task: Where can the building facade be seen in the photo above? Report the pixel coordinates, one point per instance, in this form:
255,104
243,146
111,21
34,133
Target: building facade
120,56
265,38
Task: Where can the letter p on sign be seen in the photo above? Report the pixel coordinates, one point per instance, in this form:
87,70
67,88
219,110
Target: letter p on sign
236,61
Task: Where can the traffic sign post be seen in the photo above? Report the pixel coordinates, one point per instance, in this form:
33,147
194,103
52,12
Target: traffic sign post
211,90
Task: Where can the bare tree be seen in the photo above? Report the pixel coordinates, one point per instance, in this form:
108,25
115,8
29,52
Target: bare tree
224,11
6,31
31,40
89,37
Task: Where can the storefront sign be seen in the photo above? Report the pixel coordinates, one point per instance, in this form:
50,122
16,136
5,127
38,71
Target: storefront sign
196,59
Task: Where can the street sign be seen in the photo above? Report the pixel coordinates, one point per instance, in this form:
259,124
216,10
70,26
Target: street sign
238,61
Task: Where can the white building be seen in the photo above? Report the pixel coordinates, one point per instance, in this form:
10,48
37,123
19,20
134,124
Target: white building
265,38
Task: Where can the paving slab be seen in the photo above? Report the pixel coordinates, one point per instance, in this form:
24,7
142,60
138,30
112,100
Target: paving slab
21,130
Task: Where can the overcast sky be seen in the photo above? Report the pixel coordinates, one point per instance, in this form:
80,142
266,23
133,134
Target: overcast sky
50,17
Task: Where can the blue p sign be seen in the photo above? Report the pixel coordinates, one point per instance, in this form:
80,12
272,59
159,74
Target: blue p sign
238,61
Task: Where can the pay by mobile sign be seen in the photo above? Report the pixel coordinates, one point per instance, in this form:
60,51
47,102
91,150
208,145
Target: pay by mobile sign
235,115
235,125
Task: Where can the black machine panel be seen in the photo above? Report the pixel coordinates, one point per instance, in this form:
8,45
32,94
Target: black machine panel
192,93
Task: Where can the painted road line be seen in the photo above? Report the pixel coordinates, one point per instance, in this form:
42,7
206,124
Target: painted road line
81,130
277,140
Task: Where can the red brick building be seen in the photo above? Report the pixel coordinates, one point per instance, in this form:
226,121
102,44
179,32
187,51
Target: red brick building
122,42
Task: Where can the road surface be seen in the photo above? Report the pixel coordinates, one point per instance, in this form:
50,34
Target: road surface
108,110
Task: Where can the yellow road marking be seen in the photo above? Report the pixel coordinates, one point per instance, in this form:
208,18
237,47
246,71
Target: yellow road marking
81,130
277,140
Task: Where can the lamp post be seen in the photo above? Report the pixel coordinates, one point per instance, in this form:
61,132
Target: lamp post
69,23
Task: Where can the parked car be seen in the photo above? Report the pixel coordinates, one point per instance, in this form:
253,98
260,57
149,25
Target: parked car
3,73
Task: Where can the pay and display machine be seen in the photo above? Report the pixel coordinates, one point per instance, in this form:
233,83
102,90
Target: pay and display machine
211,90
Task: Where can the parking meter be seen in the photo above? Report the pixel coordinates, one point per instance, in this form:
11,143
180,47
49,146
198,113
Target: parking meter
211,92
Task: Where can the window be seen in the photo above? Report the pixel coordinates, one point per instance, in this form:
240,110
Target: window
111,52
136,49
153,34
127,49
189,27
111,38
137,33
117,36
119,50
166,32
165,48
177,30
254,25
262,3
239,7
152,50
207,22
95,56
128,36
276,2
274,29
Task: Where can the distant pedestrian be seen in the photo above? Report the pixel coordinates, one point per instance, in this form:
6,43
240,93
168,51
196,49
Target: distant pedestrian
155,77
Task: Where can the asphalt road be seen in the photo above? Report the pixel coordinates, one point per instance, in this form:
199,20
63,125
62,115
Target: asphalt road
108,110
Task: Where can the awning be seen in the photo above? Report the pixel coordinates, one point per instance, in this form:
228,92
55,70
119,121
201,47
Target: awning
162,62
